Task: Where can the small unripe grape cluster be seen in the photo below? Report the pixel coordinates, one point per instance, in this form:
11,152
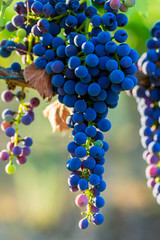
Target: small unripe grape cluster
122,5
18,148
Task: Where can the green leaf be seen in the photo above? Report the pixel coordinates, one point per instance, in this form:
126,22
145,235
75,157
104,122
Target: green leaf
100,8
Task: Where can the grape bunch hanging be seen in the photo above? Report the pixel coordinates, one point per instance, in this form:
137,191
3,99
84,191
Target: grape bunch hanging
82,55
148,100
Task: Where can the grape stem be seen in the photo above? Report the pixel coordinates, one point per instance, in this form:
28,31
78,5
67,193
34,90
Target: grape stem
18,119
87,21
30,39
2,12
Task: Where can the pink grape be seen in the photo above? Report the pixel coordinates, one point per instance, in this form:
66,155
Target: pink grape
151,171
5,125
4,156
81,200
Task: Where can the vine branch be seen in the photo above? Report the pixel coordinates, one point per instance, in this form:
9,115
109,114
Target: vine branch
14,79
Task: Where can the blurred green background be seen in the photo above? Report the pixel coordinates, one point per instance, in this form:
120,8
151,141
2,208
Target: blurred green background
35,203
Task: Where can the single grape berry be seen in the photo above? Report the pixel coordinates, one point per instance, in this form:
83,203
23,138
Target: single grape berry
7,96
10,168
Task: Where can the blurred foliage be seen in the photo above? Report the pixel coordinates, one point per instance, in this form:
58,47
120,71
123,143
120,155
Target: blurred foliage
35,203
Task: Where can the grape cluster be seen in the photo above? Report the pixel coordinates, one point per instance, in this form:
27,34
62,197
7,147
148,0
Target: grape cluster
18,148
149,61
89,77
85,53
149,108
148,99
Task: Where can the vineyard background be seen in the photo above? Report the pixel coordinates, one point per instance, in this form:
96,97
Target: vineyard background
35,203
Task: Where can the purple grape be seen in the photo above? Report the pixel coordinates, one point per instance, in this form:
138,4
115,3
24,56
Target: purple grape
43,25
34,102
21,160
20,8
26,119
4,156
28,141
10,146
83,223
48,10
10,132
3,42
18,20
36,8
35,31
7,96
26,151
17,150
10,27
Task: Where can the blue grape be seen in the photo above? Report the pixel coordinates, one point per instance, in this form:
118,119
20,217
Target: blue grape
57,41
94,179
122,19
36,7
108,19
71,21
48,10
94,89
116,76
57,66
40,62
80,152
79,40
90,114
98,219
71,50
82,184
111,47
96,21
104,125
43,25
39,50
75,164
58,80
99,202
87,47
92,60
103,37
49,54
90,11
111,65
123,50
74,62
80,138
69,100
61,8
120,36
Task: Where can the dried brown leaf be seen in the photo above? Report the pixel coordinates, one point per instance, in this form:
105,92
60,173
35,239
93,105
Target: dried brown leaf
40,80
57,114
